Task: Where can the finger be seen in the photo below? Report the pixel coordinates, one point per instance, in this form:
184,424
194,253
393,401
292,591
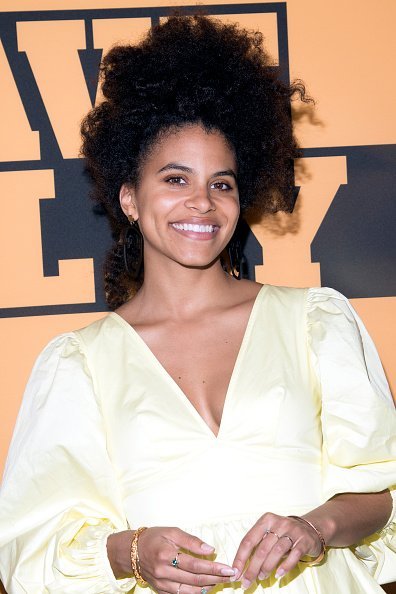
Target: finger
303,545
274,557
191,543
195,579
263,552
246,548
296,553
169,587
203,566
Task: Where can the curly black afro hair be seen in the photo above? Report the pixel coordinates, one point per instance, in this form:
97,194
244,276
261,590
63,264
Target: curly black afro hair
190,69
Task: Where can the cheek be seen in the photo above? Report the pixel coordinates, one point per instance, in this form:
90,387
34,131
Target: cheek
154,206
154,218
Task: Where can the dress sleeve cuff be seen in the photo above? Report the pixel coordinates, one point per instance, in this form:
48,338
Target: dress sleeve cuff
392,517
85,558
378,551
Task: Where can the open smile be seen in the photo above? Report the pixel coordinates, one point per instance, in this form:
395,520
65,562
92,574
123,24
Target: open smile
195,230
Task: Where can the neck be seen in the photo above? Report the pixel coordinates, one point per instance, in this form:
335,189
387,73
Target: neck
181,292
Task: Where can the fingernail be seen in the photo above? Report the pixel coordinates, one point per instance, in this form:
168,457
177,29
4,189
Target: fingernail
245,584
279,573
227,571
262,575
207,548
236,574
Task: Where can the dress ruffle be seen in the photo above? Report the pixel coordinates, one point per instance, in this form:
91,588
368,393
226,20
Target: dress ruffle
378,552
339,564
84,556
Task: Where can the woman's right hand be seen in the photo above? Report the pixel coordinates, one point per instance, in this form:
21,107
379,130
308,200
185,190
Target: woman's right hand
157,547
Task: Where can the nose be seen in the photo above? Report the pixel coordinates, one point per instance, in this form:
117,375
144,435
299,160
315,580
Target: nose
201,201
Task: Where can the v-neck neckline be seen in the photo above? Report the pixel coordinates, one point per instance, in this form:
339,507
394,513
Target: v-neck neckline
181,394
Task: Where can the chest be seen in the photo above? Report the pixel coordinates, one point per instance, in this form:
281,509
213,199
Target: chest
201,360
257,395
160,415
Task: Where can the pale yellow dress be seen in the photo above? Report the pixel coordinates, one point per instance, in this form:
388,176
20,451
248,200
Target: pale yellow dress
106,440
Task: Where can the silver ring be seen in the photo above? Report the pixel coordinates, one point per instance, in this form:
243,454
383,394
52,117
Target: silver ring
203,590
287,536
178,588
175,561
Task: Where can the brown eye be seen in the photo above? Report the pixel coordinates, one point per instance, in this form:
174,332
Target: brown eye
175,180
222,186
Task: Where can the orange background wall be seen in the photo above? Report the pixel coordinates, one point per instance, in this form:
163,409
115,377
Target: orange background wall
339,49
342,50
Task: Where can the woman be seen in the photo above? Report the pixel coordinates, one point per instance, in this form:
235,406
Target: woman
248,427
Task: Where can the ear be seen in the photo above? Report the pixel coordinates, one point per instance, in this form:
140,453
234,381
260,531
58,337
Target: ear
128,202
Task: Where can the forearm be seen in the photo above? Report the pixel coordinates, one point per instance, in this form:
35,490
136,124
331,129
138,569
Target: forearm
347,518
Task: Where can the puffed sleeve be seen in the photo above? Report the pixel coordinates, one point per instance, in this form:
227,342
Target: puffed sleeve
358,416
59,499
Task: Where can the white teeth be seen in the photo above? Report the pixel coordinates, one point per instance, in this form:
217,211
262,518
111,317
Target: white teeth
195,228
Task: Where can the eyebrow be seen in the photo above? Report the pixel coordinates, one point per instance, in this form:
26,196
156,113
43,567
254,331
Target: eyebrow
189,170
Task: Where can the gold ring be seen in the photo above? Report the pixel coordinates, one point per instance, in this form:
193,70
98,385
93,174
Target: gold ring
268,531
287,536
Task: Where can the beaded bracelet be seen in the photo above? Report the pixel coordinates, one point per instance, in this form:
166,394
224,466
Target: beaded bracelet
135,557
322,542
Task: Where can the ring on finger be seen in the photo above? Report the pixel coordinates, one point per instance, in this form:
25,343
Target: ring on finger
204,590
291,540
178,588
268,531
175,560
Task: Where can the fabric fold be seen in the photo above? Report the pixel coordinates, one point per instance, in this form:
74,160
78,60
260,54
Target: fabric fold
104,441
358,420
60,499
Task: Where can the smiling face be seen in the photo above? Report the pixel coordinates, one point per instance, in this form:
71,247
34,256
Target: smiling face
187,200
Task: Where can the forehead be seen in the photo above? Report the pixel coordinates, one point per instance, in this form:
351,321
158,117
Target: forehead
192,142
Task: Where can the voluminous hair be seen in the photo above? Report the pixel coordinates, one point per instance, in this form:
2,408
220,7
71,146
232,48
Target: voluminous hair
190,69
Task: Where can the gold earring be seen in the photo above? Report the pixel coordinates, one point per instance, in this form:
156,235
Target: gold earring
131,241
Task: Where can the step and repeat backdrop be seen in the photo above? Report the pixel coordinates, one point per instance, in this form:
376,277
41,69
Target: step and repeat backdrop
52,242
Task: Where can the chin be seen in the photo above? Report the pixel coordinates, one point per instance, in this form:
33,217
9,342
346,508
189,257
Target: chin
201,259
198,264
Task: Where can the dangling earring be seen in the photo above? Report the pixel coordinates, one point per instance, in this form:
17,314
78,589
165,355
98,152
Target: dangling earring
234,256
132,242
236,265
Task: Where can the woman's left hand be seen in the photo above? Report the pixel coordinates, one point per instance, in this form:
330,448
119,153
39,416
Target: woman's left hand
274,542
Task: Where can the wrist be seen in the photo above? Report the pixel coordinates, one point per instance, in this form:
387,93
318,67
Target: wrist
134,556
118,552
317,555
326,525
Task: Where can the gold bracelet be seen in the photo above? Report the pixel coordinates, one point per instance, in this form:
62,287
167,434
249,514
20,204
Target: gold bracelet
135,557
322,553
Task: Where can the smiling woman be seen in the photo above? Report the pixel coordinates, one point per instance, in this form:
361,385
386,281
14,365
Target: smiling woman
189,72
188,208
210,433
